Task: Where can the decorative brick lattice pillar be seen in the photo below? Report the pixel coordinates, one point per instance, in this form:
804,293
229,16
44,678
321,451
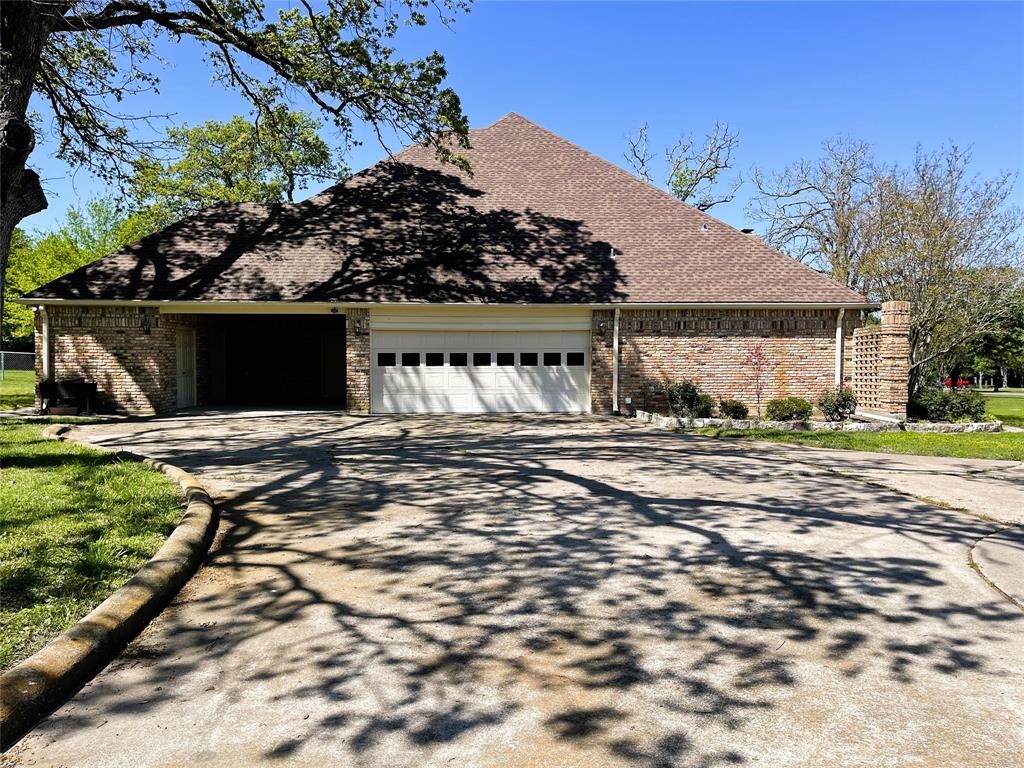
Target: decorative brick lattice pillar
357,361
881,361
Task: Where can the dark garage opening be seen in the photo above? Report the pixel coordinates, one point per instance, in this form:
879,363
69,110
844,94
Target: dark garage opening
281,360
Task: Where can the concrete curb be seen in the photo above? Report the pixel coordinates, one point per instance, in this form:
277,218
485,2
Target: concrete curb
32,689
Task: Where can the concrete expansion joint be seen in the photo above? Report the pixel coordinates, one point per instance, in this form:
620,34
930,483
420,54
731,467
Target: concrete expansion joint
979,564
38,685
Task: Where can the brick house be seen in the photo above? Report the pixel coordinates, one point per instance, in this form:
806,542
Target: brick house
549,280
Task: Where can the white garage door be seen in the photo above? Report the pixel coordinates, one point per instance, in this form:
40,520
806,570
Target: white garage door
480,371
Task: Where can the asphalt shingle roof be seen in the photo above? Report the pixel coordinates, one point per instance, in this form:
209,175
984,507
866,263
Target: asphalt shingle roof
539,220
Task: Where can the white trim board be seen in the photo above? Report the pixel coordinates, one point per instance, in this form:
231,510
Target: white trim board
431,318
319,307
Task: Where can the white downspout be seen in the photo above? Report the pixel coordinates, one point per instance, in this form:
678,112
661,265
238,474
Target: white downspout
839,346
615,364
44,321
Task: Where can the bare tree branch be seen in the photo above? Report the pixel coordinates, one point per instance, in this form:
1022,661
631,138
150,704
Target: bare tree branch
692,173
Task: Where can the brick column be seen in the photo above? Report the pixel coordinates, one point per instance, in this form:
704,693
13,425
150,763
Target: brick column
894,373
601,360
357,361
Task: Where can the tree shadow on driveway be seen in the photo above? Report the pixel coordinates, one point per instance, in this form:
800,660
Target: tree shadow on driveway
555,591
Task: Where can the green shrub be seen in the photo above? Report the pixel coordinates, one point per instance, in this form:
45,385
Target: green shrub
788,409
687,401
948,404
732,409
704,407
838,404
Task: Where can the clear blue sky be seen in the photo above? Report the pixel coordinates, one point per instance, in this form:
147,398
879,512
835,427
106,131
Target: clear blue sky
784,75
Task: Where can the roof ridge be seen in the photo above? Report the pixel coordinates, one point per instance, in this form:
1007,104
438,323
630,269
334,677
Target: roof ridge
619,169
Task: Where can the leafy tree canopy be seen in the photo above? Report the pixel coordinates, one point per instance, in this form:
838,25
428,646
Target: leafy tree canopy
86,234
1000,355
82,61
235,161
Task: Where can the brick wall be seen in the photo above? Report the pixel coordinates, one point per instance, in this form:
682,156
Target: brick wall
123,350
357,361
601,360
130,352
881,361
710,346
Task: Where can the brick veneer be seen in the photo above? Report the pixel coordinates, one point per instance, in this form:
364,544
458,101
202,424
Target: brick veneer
601,360
130,352
709,347
357,361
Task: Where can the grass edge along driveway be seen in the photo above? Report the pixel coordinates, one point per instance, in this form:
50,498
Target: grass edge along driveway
974,445
75,524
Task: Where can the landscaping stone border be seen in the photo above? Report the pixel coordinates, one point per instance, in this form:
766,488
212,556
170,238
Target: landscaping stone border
673,422
35,687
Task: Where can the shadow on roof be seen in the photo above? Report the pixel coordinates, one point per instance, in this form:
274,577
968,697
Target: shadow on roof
396,232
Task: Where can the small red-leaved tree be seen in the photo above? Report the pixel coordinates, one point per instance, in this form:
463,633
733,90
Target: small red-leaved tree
757,364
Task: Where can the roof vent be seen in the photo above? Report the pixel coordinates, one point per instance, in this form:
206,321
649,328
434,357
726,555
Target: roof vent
704,227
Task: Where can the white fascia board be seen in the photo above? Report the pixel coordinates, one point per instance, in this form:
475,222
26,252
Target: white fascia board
320,307
199,307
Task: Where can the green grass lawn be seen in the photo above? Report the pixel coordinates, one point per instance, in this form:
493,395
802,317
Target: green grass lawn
1008,408
17,389
75,524
975,445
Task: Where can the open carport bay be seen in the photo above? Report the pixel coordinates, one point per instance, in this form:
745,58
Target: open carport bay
273,359
549,591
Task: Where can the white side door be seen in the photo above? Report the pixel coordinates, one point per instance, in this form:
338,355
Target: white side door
186,367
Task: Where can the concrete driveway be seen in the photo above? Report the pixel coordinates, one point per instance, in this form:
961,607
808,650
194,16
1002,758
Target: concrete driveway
553,591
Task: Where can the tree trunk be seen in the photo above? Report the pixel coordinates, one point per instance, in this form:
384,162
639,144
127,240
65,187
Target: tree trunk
24,28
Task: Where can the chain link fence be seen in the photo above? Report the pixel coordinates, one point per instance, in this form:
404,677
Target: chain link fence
16,361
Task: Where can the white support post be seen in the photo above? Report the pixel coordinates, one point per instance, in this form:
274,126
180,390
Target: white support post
839,347
45,332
